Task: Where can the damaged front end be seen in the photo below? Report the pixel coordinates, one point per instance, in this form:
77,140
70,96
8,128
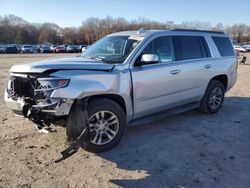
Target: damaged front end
29,95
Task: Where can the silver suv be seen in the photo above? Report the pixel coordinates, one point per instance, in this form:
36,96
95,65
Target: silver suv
123,78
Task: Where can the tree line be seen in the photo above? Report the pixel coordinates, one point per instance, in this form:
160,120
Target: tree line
14,29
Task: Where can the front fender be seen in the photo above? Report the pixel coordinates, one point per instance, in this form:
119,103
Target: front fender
90,83
80,88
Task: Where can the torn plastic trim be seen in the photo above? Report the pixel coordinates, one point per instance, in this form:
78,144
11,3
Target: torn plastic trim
47,107
58,107
77,128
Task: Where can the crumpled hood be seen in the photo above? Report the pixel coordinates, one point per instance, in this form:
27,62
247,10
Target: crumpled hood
77,63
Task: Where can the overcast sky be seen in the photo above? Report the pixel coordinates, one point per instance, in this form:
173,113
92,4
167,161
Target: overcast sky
72,12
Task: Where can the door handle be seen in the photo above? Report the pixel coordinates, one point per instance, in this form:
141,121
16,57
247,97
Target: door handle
175,71
208,66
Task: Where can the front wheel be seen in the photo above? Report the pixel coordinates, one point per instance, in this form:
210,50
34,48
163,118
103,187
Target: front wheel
106,125
213,98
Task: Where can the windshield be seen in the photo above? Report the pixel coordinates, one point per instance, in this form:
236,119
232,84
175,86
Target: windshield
112,49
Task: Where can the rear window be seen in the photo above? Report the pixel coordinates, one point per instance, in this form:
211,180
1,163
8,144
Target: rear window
224,46
191,47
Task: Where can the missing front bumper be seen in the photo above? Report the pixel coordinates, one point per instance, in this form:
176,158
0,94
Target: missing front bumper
58,107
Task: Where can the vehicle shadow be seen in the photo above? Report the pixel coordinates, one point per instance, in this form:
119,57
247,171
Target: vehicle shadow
188,150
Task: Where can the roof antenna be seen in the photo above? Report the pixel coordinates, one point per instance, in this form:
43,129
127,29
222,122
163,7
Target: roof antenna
140,31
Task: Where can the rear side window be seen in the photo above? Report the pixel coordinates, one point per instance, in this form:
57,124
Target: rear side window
224,46
191,47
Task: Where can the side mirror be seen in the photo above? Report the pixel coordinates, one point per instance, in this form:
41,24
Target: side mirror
149,59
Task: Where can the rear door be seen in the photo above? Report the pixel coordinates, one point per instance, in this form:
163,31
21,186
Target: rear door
194,58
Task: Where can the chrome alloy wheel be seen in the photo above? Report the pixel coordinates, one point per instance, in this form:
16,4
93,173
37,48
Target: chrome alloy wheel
103,126
215,98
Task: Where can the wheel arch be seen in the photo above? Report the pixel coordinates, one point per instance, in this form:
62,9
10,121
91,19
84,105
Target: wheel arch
114,97
223,78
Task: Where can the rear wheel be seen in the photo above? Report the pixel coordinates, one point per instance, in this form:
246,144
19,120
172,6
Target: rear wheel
213,98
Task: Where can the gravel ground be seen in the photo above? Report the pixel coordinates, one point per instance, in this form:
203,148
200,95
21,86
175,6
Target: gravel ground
185,150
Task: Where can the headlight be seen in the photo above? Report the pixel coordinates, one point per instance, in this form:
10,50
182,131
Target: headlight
52,83
47,85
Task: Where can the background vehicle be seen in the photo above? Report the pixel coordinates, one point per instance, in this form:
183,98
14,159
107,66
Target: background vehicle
44,49
2,49
60,49
247,48
27,49
73,49
18,48
53,48
12,48
123,78
239,48
35,48
84,47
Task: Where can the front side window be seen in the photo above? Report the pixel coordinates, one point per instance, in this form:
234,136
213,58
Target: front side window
111,49
163,47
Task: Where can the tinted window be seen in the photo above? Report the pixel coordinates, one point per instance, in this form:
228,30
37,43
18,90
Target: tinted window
224,46
191,47
163,47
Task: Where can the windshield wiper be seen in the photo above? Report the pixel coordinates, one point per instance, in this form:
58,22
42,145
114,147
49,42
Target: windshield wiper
101,58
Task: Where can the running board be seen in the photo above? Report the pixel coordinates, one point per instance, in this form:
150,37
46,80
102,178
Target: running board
164,114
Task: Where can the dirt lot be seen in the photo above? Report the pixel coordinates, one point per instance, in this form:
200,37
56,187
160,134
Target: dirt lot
186,150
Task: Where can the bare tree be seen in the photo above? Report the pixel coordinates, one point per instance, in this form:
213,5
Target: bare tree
15,29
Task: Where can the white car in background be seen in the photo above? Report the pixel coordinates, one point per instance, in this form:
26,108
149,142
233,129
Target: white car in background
239,48
27,49
84,48
246,47
53,48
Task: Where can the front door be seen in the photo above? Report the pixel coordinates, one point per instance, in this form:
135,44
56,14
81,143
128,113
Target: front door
156,86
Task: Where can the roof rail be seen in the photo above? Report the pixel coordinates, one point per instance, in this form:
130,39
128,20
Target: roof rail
196,30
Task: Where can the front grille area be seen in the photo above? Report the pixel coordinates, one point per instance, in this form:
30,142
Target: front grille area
22,86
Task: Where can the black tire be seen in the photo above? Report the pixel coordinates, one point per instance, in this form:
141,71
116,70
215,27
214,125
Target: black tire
205,105
97,106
